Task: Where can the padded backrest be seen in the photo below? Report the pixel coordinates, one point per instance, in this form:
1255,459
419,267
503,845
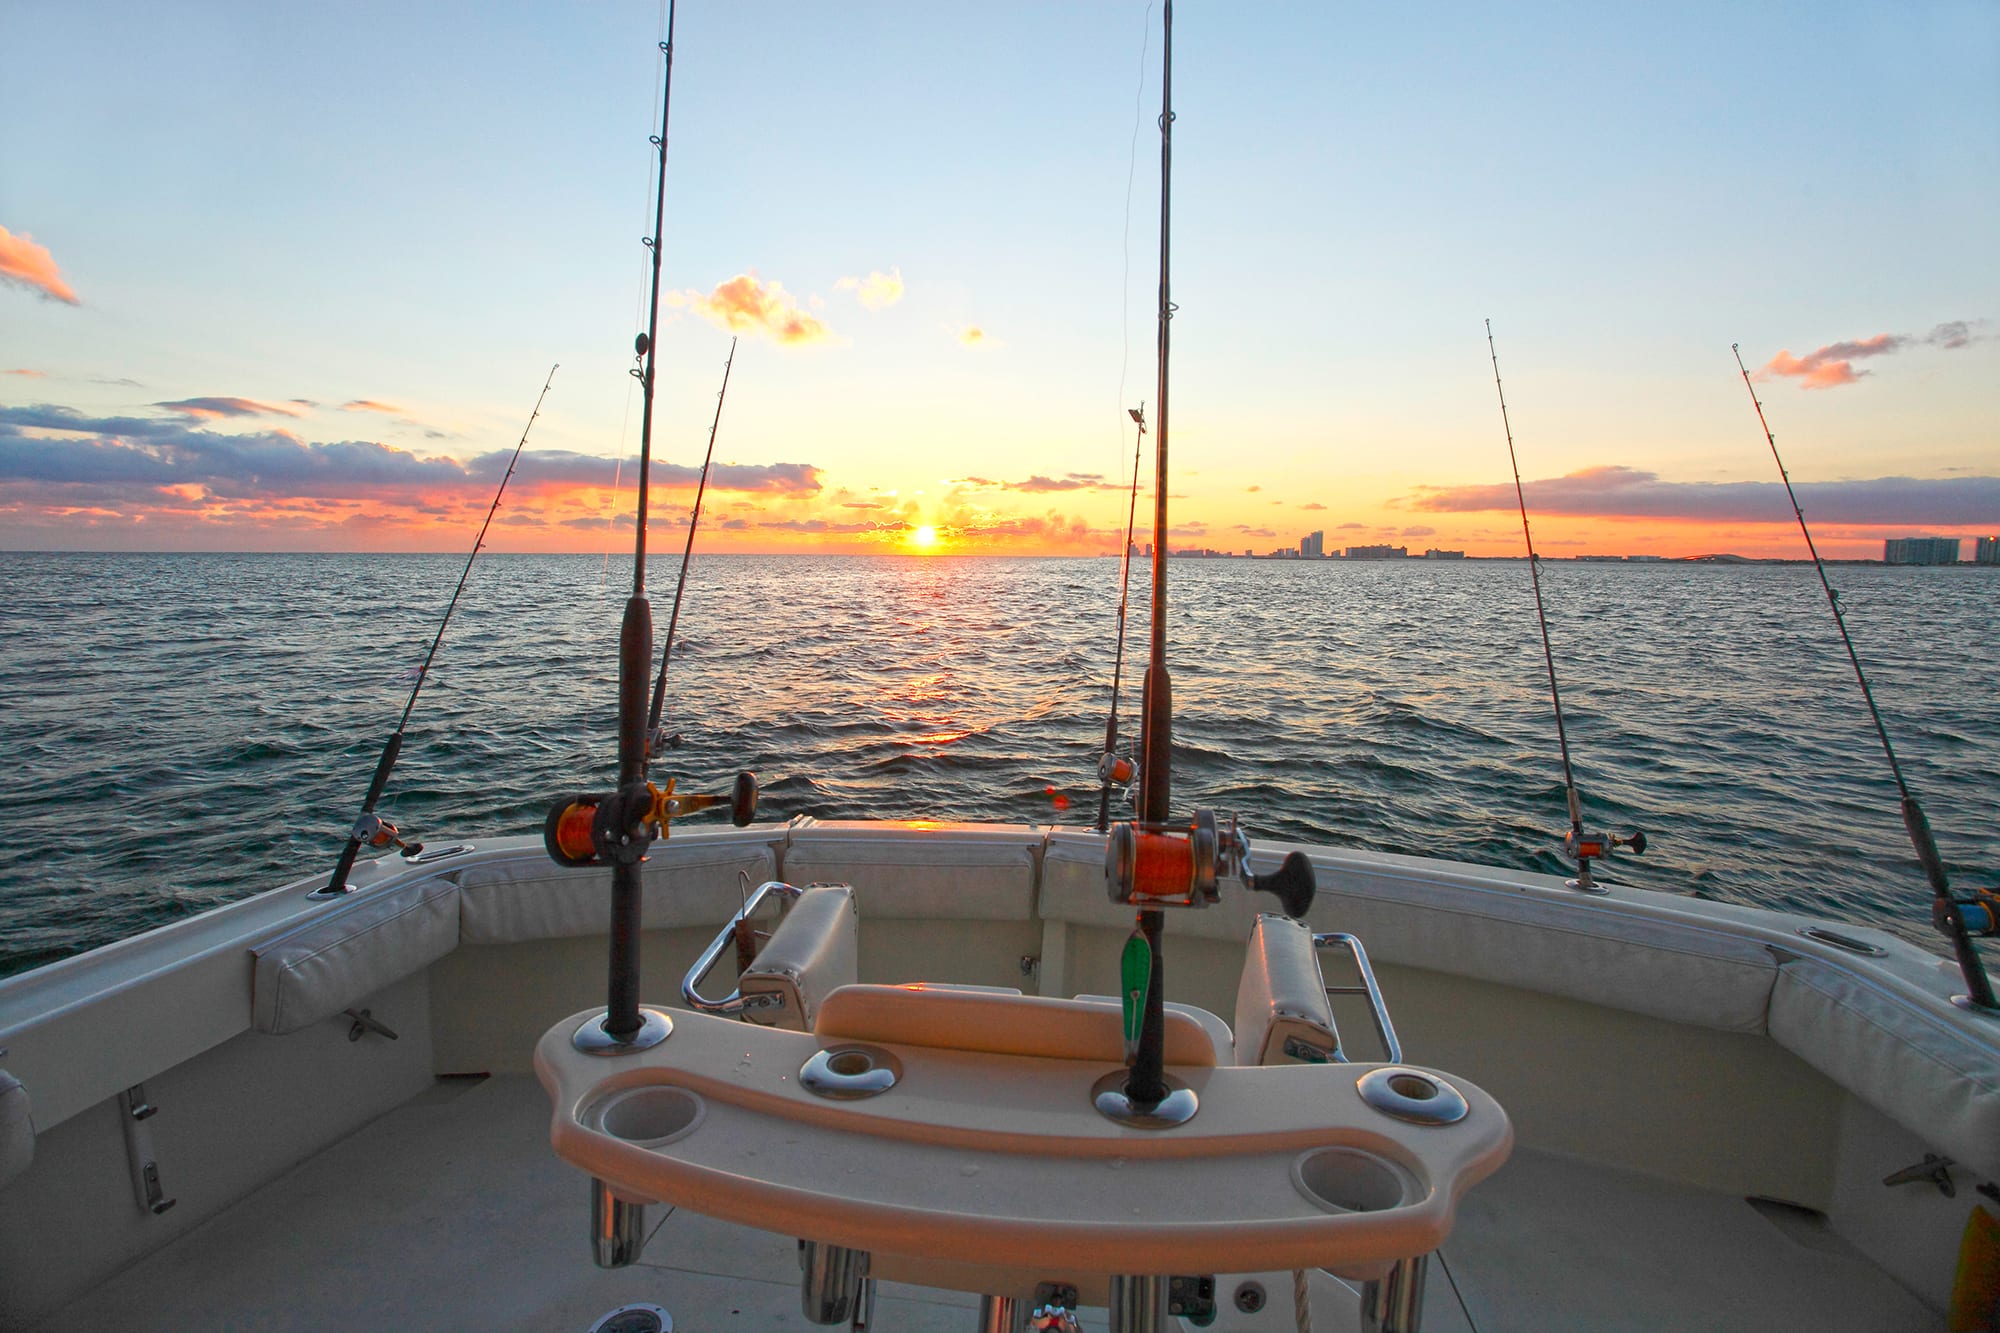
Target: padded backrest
17,1129
1933,1068
361,944
1282,1013
689,880
811,954
989,1022
985,873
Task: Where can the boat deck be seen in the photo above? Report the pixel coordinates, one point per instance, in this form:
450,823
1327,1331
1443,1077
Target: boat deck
452,1212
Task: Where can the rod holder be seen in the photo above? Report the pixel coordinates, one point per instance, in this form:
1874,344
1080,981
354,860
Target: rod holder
999,1314
1395,1304
617,1228
835,1287
134,1111
1138,1304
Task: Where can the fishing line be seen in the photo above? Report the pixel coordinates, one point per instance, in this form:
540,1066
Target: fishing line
638,308
1946,911
369,829
1582,848
653,718
1111,770
1131,172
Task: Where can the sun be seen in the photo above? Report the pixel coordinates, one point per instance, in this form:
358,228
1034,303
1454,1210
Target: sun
924,538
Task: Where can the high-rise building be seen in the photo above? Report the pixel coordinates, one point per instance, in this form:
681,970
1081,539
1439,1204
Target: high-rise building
1314,545
1986,551
1378,552
1920,551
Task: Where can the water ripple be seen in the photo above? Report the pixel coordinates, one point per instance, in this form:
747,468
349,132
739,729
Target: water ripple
181,730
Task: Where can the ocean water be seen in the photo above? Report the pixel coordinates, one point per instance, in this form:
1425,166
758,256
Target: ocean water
181,730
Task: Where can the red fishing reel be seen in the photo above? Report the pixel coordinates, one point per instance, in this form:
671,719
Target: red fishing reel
1597,846
613,827
371,830
1162,865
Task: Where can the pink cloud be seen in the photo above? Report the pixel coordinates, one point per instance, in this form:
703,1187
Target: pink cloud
1830,366
745,305
370,405
32,266
207,409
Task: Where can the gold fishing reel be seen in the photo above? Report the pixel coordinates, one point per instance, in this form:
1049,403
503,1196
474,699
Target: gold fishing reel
609,827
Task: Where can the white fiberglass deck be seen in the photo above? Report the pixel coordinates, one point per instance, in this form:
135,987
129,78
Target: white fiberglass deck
453,1212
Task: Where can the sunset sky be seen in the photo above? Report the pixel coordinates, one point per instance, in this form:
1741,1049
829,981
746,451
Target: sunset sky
290,277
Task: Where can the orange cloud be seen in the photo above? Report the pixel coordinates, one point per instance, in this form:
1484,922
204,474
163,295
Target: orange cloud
877,291
370,405
745,305
33,267
31,374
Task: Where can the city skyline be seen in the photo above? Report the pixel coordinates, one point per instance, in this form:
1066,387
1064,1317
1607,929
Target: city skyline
306,304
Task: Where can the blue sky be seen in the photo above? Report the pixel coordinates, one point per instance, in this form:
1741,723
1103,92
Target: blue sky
422,210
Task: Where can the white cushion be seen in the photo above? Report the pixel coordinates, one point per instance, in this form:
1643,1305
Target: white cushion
988,1022
360,945
1930,1067
1281,1004
17,1129
983,875
1218,1031
811,953
688,881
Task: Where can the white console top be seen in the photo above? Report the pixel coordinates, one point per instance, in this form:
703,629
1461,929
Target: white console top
995,1158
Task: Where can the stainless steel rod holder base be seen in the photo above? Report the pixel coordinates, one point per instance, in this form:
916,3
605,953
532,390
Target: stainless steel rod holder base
832,1288
654,1028
1395,1304
617,1228
1138,1304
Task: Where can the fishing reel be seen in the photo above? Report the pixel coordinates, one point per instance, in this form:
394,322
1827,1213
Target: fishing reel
1116,770
614,828
371,830
1587,847
1162,865
1598,846
1978,909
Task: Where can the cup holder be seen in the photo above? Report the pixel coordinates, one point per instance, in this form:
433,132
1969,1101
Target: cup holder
1412,1095
1346,1180
847,1073
649,1116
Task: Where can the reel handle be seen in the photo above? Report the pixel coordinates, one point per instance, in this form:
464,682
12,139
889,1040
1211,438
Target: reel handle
1292,884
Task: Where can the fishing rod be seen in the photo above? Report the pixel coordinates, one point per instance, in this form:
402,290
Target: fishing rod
1583,848
1150,862
370,829
1948,913
1114,769
616,828
654,739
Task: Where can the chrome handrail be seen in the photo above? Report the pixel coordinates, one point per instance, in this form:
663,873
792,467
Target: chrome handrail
731,1003
1377,1006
